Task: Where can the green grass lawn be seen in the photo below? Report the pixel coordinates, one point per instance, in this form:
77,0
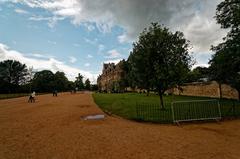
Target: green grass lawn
14,95
125,105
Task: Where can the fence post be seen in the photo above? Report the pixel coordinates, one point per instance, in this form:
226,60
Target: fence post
219,109
234,110
172,112
136,107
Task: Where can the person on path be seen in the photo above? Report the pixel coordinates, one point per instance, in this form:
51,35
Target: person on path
55,93
32,97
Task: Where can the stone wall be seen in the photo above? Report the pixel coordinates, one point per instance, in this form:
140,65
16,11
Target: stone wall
207,89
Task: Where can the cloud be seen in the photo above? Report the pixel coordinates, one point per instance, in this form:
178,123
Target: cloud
87,64
101,47
202,33
202,58
200,65
112,54
113,61
72,59
52,21
193,17
89,56
92,42
36,55
52,42
89,27
76,44
21,11
123,38
44,63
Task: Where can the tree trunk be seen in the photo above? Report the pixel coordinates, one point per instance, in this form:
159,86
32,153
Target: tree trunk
220,90
161,99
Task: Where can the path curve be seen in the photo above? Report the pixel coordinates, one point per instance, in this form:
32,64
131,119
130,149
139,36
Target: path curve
52,128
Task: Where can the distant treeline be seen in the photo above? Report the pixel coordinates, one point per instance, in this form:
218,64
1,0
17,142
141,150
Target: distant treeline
15,77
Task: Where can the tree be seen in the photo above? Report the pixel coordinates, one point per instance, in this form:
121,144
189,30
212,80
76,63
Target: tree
87,84
160,59
60,81
71,85
198,74
79,81
225,63
228,14
123,81
94,87
12,74
43,81
219,70
140,69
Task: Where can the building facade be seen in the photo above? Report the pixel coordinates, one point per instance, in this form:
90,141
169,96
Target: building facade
111,78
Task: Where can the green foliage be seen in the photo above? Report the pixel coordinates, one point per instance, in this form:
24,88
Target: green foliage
159,60
71,85
79,81
94,87
12,75
60,81
124,81
87,84
47,81
228,14
225,64
219,67
198,74
15,77
43,81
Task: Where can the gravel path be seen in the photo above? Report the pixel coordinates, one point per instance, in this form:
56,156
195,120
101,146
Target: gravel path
52,128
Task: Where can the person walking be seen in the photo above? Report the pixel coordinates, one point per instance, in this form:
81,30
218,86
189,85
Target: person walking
55,93
32,97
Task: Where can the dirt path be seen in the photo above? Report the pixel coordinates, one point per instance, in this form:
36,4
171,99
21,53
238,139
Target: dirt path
51,128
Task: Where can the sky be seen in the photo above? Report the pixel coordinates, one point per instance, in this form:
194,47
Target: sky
78,36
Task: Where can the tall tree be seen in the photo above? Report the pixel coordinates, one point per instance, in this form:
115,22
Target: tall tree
219,70
60,81
87,84
226,61
79,81
140,69
43,81
71,85
123,81
160,59
12,74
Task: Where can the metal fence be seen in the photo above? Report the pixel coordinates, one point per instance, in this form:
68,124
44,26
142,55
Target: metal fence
153,113
196,110
230,108
188,111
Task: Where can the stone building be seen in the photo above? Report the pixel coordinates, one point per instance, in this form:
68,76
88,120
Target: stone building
111,78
